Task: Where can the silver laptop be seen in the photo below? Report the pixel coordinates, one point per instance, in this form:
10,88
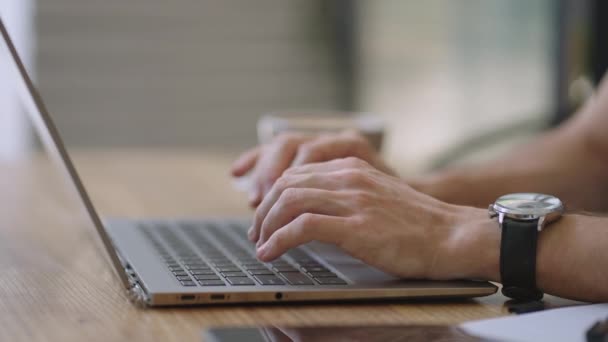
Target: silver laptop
188,262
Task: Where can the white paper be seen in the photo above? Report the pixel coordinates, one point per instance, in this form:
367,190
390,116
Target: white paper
565,324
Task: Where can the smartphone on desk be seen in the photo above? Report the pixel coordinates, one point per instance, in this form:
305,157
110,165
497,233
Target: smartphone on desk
393,333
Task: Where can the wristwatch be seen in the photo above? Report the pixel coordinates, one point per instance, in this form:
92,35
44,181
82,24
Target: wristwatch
521,217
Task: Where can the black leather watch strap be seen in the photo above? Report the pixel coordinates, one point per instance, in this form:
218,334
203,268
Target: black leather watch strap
518,259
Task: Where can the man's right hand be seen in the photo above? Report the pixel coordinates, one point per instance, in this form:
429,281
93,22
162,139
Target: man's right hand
268,162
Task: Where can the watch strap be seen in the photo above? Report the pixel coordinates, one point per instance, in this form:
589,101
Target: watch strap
518,259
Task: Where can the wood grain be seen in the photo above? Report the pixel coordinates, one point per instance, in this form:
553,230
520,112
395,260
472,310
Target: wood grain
57,285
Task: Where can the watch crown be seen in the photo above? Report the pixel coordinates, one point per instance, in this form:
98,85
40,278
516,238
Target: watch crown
491,212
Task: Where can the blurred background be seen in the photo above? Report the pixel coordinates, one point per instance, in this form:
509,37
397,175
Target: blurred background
452,79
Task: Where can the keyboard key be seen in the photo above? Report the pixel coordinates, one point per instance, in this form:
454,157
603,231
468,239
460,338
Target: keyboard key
180,273
309,262
269,280
234,274
211,283
186,256
322,275
227,263
192,260
256,267
206,277
280,263
240,281
297,279
285,269
248,261
199,267
330,281
195,263
201,272
188,283
312,269
183,278
261,272
297,254
228,269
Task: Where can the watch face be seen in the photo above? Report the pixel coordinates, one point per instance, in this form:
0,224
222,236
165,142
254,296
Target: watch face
528,204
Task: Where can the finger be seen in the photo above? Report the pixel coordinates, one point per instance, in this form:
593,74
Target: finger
284,183
245,162
331,147
329,166
296,201
275,159
306,228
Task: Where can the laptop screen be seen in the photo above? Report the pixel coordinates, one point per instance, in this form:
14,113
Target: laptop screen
31,102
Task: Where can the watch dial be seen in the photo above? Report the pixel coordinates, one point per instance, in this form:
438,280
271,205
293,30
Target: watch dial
529,203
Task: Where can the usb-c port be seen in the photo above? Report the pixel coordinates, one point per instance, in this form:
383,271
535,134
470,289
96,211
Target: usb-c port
188,297
217,297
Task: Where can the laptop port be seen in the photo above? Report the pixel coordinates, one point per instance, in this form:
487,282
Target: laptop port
217,296
188,297
278,295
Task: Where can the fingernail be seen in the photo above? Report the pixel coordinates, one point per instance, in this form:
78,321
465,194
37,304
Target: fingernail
262,251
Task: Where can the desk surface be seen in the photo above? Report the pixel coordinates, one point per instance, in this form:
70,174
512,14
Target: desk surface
56,284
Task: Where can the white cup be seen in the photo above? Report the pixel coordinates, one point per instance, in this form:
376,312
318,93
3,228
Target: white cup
317,122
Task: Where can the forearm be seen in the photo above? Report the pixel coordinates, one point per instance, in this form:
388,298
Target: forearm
559,163
570,162
572,254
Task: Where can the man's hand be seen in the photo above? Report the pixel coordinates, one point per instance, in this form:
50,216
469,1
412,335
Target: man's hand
369,214
288,150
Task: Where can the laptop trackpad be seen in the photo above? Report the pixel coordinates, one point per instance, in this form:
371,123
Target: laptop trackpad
353,269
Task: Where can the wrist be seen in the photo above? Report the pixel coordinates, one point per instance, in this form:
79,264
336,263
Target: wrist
472,248
445,186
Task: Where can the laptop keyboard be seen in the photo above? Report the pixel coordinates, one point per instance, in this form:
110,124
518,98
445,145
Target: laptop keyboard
208,254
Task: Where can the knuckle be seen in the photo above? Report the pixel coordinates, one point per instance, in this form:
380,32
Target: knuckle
358,221
282,183
299,230
309,150
278,240
355,176
289,196
306,220
291,171
354,162
362,199
286,138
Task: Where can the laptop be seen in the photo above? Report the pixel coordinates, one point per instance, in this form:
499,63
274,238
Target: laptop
175,261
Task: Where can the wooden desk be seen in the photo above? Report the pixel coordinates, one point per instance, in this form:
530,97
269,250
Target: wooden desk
56,283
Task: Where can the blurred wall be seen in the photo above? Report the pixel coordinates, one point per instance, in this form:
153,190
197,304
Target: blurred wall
182,72
201,72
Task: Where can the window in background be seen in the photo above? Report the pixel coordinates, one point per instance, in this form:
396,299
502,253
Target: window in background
14,131
441,71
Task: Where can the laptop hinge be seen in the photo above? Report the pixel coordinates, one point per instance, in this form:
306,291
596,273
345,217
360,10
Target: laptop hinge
135,290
